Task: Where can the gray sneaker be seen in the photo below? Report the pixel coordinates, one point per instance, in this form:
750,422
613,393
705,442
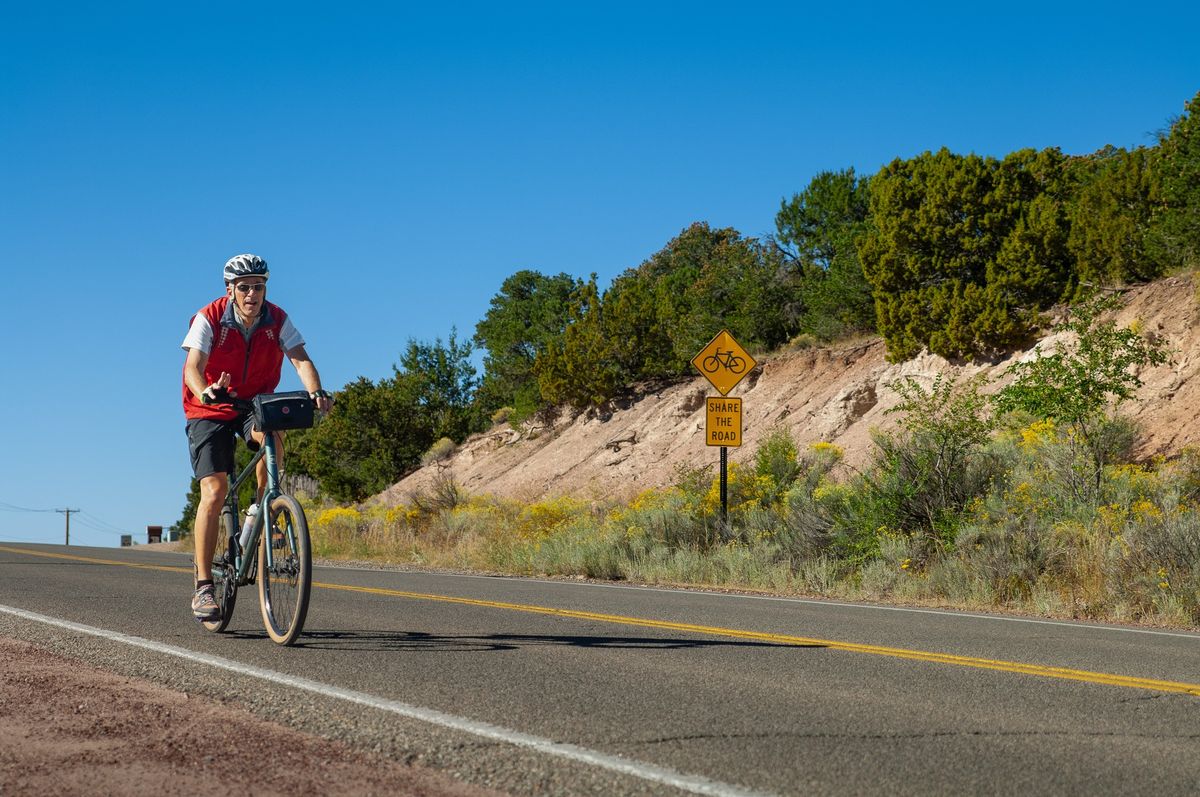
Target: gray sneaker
204,604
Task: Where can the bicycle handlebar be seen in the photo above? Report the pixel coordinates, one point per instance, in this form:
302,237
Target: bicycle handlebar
223,396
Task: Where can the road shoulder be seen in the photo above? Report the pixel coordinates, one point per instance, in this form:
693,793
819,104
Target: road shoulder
69,728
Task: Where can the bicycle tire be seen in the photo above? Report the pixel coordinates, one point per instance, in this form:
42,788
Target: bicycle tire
225,575
715,364
283,588
736,364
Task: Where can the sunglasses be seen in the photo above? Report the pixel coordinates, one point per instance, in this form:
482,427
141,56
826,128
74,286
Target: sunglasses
243,287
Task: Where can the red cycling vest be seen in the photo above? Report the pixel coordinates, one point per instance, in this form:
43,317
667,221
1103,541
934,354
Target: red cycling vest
253,366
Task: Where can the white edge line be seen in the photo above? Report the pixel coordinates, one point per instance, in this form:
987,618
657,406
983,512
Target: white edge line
693,783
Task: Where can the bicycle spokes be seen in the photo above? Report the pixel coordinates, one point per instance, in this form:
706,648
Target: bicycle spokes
284,570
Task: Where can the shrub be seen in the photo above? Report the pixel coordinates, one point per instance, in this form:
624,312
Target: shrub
804,340
442,493
439,451
928,472
805,528
776,460
1157,562
336,531
673,519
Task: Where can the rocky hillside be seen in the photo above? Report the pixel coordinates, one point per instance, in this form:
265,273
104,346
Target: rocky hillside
835,394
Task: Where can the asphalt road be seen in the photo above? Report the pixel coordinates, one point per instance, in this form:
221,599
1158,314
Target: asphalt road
532,686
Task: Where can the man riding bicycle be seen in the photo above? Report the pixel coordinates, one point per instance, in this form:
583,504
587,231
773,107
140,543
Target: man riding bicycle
236,344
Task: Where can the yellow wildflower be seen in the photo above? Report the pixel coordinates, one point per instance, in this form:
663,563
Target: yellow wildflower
828,449
1037,434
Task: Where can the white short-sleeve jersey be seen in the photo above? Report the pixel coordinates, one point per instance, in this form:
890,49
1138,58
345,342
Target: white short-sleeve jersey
200,335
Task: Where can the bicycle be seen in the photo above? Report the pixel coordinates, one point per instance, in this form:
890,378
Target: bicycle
277,554
727,359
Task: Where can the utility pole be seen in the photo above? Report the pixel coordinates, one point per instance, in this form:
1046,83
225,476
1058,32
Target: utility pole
67,512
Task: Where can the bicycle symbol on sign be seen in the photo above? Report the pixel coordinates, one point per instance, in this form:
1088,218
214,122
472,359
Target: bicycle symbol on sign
723,359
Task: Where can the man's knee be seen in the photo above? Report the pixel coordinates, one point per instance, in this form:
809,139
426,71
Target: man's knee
214,488
258,438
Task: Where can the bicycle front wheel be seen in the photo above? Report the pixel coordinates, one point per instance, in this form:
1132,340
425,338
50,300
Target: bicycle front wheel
283,586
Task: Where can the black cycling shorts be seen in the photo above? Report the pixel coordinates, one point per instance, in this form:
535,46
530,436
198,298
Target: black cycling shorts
211,443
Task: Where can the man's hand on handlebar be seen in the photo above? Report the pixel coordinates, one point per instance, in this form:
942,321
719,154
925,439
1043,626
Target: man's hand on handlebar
323,400
218,392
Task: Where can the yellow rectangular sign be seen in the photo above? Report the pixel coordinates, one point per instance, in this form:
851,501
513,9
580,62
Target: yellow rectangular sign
723,422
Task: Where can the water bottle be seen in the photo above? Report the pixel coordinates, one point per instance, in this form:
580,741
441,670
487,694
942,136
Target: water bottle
248,526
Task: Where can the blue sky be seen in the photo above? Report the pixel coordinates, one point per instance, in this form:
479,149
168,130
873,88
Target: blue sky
394,163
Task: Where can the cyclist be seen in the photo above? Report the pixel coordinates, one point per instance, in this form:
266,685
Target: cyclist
236,343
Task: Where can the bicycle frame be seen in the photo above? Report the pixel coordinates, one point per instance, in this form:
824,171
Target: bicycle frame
245,555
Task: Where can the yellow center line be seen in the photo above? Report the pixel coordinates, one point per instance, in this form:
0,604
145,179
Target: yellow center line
1041,670
787,639
94,560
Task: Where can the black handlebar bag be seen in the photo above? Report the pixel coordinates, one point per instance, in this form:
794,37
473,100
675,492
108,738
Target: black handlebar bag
276,412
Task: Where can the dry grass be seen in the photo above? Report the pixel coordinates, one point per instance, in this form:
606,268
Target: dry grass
1027,543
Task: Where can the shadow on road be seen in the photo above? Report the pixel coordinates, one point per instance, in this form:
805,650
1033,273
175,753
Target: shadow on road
392,640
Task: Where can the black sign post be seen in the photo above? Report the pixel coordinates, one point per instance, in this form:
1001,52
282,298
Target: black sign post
724,490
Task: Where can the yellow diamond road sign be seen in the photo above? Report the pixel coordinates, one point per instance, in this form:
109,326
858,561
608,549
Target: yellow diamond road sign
724,362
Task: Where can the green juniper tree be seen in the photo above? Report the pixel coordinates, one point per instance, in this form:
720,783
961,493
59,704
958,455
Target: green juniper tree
1176,233
529,312
1111,216
963,252
818,230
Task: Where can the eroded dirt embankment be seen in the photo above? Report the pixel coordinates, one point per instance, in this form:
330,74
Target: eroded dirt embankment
836,394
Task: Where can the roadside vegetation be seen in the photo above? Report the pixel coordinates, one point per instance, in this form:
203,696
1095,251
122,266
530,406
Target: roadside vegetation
977,500
1026,541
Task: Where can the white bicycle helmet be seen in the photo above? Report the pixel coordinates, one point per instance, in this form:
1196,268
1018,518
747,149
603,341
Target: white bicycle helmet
245,266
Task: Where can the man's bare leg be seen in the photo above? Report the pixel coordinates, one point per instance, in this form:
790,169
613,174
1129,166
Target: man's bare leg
213,489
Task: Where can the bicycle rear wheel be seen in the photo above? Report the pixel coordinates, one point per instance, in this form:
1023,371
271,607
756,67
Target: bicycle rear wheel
224,573
283,587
